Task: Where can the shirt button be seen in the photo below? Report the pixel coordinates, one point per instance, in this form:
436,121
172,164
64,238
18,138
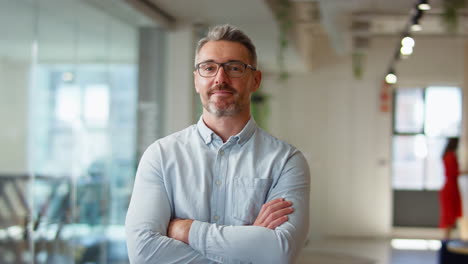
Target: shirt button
218,182
216,218
221,152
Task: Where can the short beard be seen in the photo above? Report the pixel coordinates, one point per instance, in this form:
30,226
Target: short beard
233,109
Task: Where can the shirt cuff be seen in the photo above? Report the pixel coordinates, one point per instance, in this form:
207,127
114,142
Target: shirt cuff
196,236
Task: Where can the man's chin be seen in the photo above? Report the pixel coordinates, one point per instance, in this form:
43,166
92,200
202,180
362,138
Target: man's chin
222,111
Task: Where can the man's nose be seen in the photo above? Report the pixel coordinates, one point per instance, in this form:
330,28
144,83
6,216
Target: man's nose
221,76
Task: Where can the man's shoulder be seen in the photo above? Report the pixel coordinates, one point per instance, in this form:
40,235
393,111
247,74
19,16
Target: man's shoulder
280,151
183,136
273,142
180,136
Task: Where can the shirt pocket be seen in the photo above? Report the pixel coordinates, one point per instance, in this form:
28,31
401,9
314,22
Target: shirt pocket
249,196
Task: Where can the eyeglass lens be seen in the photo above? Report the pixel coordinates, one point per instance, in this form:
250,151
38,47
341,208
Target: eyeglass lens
232,69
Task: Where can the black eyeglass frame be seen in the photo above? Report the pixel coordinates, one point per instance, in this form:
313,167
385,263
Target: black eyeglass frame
197,67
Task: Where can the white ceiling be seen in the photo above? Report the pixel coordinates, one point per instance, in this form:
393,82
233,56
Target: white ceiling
314,41
254,17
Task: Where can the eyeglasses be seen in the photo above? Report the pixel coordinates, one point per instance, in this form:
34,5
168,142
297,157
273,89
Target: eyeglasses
232,69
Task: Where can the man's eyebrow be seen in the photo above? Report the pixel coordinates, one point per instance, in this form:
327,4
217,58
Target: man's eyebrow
223,62
235,61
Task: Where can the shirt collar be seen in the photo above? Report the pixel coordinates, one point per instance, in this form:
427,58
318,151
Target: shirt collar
246,132
207,134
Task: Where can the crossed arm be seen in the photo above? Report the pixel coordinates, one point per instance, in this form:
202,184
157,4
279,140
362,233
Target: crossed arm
275,237
273,214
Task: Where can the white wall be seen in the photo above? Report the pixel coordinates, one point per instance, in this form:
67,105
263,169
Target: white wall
335,121
180,88
13,116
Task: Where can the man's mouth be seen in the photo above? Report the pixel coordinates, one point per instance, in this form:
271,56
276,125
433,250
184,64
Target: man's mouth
222,91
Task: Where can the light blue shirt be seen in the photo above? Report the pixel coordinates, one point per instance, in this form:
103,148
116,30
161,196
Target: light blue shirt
192,174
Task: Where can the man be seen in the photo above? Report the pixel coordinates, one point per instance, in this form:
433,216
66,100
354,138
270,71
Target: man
223,190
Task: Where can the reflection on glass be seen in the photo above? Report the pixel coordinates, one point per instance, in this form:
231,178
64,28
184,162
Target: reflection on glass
64,201
408,162
17,35
96,105
409,111
89,163
443,111
68,104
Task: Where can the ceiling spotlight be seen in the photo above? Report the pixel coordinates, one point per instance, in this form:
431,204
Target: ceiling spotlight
391,78
424,5
406,50
407,42
416,27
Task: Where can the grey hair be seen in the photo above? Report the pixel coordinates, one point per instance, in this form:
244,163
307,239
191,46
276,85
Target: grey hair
228,33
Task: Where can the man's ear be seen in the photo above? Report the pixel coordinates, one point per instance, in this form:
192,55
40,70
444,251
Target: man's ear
257,80
195,76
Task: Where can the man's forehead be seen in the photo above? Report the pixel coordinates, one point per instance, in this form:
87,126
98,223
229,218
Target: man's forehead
223,50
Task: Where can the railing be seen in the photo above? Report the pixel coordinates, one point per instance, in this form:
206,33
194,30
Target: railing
19,221
41,222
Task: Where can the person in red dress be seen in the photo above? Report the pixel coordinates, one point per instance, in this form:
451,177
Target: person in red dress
450,201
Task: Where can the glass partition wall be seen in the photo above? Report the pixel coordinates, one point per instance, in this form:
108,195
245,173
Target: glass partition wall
68,95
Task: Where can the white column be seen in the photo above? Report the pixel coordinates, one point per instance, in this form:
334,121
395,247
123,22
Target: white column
180,110
151,87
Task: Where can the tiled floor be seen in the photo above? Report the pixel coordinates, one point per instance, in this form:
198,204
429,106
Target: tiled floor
362,251
320,251
414,257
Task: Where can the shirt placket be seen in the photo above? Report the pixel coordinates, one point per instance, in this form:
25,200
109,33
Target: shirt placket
219,185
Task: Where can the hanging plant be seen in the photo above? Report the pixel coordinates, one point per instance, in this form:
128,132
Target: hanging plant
450,14
284,25
358,61
360,47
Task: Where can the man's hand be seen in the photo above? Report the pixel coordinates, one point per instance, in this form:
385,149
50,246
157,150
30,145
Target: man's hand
274,213
179,229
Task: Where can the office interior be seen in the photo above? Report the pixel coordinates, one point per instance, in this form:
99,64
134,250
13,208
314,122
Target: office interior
87,85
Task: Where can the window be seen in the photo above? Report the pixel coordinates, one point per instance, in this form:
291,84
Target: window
68,99
423,120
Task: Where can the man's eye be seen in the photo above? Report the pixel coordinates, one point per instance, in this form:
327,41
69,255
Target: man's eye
208,68
235,68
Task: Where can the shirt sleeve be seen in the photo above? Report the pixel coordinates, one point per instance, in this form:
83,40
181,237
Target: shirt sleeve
148,217
252,244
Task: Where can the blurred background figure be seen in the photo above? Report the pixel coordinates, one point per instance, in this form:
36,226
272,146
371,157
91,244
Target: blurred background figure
450,202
